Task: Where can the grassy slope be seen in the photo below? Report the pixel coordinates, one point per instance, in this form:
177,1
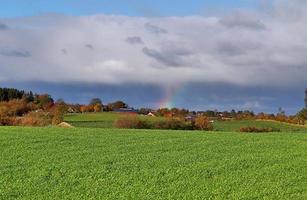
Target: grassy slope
92,120
98,120
235,125
106,120
51,163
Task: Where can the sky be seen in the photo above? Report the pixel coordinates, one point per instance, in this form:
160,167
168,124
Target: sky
17,8
195,54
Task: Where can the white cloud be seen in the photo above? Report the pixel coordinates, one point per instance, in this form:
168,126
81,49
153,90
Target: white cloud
244,48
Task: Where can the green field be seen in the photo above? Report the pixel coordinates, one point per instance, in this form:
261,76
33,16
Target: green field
92,120
106,120
54,163
236,125
99,120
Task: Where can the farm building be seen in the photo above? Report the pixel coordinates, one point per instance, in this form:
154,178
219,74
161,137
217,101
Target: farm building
150,114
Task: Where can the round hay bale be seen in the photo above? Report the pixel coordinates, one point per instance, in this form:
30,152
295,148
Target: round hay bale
64,125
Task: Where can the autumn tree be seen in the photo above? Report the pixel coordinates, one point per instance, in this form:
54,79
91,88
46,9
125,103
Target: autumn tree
203,123
83,108
97,107
302,115
44,101
59,111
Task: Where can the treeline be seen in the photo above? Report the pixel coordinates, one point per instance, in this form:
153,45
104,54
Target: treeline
96,105
135,122
299,118
211,114
7,94
18,107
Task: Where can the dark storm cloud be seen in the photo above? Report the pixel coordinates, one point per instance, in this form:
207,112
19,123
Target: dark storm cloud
155,29
235,48
15,53
134,40
229,49
241,20
89,46
64,51
171,59
212,96
3,27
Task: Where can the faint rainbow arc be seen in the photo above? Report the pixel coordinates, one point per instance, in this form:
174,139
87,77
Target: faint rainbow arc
172,93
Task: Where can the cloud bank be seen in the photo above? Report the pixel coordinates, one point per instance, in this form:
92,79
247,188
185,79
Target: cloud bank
243,48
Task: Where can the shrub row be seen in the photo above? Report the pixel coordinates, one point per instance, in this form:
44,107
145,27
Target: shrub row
134,122
53,116
36,119
258,130
8,121
40,118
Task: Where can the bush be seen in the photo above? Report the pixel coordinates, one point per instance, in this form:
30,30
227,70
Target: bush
131,122
36,119
97,107
167,124
257,130
173,124
8,121
14,108
58,113
203,123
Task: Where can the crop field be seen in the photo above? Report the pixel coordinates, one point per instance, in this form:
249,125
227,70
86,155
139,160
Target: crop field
92,120
91,163
235,125
106,120
99,120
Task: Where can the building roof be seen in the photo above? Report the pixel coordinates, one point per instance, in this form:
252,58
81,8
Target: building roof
126,110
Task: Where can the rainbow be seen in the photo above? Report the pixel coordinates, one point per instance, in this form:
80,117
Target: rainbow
171,95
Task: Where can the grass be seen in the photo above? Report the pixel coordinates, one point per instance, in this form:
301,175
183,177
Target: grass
54,163
106,120
235,125
92,120
99,120
38,163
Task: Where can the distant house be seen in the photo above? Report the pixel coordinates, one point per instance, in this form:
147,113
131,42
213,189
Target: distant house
126,110
151,114
71,110
190,117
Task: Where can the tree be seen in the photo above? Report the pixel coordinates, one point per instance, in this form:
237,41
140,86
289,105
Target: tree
281,111
29,97
210,113
60,101
302,115
144,111
58,113
97,108
83,108
44,101
202,123
116,105
95,101
7,94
